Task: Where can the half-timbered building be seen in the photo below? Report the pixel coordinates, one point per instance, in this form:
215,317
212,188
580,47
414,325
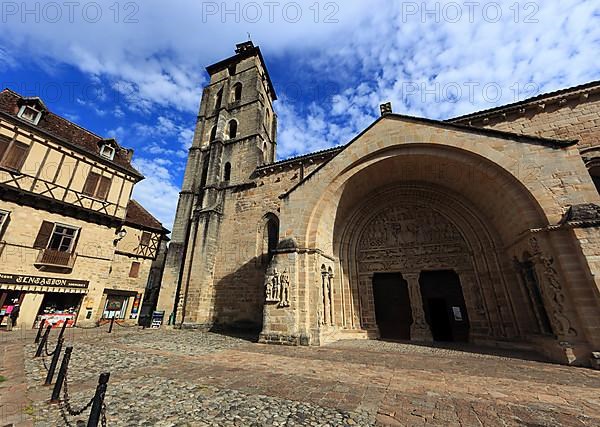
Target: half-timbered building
74,246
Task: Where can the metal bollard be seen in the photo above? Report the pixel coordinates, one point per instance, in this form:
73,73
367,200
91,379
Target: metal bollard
62,330
42,344
64,366
98,401
112,321
54,362
39,332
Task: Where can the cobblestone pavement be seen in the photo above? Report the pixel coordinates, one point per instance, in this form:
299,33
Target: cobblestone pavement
191,378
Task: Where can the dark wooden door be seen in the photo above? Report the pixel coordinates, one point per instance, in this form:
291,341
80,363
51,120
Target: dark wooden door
444,305
392,306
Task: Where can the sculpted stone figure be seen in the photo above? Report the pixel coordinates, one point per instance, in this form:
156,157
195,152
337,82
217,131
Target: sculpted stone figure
272,287
284,283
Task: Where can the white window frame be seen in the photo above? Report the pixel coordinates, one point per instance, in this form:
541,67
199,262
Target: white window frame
22,111
56,224
3,217
111,154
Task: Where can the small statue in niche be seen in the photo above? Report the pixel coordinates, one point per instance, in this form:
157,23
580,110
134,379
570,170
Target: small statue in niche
284,283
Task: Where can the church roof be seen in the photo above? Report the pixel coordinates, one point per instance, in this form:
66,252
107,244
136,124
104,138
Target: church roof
328,152
553,143
550,97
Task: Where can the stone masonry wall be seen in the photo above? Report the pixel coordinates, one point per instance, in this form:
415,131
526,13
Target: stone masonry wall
577,118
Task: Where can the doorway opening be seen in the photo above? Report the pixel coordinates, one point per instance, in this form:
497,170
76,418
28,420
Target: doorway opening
392,306
444,305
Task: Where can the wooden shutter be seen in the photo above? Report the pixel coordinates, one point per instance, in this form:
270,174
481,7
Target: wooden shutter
43,237
89,189
16,155
135,269
103,188
4,143
145,239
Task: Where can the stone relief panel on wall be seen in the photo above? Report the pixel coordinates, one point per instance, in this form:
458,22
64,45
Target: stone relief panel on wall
277,288
553,292
402,238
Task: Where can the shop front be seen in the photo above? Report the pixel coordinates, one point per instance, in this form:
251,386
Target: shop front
37,299
120,304
58,308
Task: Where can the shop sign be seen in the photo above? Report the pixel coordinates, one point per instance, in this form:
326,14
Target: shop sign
16,279
136,306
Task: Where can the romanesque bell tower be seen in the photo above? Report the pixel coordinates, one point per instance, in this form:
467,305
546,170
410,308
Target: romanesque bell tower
235,133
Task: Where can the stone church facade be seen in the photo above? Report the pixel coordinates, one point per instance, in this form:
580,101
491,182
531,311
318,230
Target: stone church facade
480,229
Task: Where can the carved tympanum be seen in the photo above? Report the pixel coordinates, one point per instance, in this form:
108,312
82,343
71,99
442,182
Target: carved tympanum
410,237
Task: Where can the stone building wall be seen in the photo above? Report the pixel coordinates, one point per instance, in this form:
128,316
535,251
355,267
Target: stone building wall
96,261
569,114
241,258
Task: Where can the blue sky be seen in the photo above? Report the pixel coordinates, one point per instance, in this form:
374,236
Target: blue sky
135,70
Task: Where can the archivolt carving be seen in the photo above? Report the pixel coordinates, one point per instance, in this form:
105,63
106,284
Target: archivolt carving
409,237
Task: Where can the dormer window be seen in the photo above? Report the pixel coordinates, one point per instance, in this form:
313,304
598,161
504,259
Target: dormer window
108,148
107,151
30,113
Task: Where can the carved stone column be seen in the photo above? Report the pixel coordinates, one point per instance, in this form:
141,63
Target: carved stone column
419,330
326,302
330,297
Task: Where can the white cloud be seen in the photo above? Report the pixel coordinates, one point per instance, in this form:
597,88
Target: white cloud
378,51
157,192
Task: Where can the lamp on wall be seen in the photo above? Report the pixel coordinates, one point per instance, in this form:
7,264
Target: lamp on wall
120,233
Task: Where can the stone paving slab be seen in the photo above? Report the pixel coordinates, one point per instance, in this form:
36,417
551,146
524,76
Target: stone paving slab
192,378
14,405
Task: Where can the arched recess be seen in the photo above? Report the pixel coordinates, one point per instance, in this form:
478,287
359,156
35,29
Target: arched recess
236,93
227,172
213,134
268,232
232,129
591,157
413,228
218,99
487,206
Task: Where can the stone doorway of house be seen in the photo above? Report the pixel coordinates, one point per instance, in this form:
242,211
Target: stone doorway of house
392,306
444,306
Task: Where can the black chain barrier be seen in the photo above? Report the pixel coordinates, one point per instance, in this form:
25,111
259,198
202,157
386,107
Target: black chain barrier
39,333
44,363
43,342
96,403
88,327
66,402
46,349
126,326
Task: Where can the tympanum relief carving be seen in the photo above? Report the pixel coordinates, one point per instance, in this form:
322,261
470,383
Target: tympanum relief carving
411,238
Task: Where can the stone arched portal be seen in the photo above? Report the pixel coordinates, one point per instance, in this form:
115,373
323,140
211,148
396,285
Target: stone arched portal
415,228
499,194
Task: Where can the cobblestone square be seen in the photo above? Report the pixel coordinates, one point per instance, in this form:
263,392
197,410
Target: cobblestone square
191,378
